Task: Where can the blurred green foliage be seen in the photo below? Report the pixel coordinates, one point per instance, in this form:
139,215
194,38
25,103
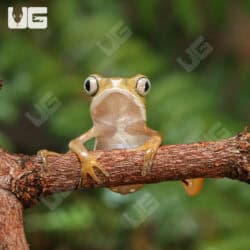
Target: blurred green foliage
210,103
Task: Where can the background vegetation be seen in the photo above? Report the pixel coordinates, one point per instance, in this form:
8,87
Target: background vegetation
45,69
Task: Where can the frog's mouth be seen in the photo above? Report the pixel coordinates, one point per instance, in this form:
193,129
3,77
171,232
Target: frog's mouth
113,105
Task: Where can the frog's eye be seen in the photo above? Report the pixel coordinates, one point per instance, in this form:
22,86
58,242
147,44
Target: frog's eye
91,85
143,86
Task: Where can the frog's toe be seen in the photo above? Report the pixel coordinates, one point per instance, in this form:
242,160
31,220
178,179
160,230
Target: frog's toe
88,166
43,154
148,160
99,166
89,170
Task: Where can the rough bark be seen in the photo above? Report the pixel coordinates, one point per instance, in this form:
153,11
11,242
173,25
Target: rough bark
27,178
11,222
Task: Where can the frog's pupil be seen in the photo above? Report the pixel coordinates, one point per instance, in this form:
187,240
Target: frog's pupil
87,85
146,87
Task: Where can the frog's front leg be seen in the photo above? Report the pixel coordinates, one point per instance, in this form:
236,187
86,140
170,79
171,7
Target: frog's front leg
150,147
87,159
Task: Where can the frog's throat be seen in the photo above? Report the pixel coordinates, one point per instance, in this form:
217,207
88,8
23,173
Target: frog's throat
99,98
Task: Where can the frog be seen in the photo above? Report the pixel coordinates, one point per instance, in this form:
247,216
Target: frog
118,112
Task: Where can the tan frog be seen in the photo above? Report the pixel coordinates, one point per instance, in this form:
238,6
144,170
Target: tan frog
118,113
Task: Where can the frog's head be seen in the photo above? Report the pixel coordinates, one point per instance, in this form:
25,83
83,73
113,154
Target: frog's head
116,96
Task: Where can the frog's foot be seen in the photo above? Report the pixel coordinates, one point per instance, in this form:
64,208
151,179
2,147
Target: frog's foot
88,164
193,186
150,149
43,155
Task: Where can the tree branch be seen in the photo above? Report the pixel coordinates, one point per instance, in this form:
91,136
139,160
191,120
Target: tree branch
11,223
27,178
